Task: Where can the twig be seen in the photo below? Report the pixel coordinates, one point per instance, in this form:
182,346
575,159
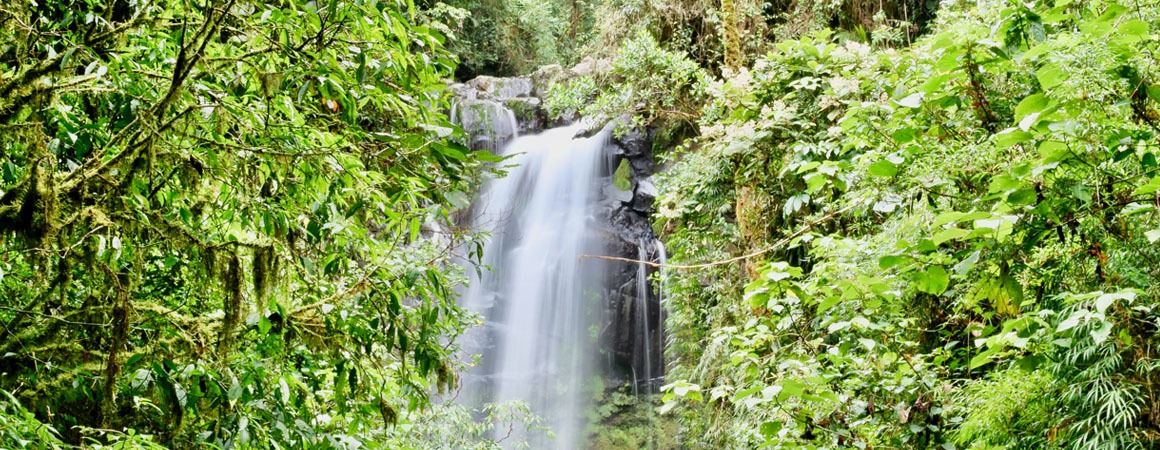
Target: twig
775,246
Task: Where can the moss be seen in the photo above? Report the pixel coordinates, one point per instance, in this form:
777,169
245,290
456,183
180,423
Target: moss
232,303
622,178
621,420
262,274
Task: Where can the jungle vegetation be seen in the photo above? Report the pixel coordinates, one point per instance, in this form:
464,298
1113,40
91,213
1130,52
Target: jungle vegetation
910,224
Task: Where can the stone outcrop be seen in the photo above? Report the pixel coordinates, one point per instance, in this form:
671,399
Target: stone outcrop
493,110
633,333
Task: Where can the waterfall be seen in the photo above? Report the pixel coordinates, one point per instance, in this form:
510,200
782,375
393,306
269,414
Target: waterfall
648,321
662,289
539,298
641,322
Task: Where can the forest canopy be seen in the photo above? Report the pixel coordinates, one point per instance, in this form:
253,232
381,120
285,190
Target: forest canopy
224,222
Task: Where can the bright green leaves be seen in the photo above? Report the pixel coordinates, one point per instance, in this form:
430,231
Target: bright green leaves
1091,314
1104,24
680,390
1003,292
993,167
883,168
949,234
776,280
1050,76
1029,109
1151,187
262,170
1011,137
934,280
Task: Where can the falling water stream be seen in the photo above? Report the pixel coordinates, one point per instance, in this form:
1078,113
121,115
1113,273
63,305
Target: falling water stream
554,318
538,296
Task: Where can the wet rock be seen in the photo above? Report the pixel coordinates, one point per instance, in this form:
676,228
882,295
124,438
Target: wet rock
529,113
489,123
503,88
617,194
591,127
644,196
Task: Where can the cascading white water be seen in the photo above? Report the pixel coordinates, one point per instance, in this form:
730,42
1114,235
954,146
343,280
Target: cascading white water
538,296
644,338
648,322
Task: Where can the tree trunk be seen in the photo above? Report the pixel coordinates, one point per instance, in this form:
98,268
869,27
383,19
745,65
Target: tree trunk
731,34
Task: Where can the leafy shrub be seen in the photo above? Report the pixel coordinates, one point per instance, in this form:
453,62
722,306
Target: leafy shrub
951,244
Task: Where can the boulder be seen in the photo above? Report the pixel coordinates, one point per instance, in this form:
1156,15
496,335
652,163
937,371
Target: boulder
644,196
503,88
544,77
590,66
617,194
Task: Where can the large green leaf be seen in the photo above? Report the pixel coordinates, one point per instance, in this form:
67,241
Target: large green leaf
934,280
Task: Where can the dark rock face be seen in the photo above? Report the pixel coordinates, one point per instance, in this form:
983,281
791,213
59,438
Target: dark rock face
631,335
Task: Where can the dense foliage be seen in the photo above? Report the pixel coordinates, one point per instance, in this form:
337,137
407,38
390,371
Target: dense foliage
231,223
959,239
513,37
225,223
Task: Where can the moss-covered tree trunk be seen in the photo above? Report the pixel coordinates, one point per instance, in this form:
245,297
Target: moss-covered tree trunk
731,33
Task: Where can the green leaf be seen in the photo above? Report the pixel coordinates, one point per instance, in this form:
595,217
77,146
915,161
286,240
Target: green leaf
883,168
889,261
1072,321
791,387
742,394
912,101
904,135
1134,30
1101,333
1050,76
1025,196
1011,136
769,430
828,303
235,392
965,266
1152,235
949,234
1054,151
1106,300
1152,186
1153,92
1031,104
981,359
284,390
947,217
933,280
1004,183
